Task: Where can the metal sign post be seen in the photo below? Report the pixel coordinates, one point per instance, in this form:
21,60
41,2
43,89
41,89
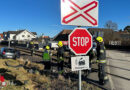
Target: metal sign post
80,42
79,63
79,13
80,79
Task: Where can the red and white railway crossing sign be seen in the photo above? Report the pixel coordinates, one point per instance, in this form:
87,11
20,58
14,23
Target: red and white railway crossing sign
80,41
79,12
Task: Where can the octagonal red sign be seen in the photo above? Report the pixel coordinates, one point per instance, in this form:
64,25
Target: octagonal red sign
80,41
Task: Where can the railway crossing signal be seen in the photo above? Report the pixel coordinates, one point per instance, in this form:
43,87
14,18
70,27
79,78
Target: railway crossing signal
79,12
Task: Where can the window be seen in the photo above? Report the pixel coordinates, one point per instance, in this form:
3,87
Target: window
28,35
22,35
10,50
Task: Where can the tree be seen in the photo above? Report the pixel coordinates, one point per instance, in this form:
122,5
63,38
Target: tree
111,25
127,28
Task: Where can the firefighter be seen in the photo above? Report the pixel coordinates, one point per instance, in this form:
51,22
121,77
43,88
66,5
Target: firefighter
32,48
47,58
101,60
60,57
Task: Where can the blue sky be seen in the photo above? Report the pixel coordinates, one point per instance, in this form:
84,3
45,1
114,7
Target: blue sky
43,16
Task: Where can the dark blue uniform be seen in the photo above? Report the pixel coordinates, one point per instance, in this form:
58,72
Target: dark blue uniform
60,58
101,59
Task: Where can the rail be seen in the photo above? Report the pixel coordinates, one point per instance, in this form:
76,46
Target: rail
39,53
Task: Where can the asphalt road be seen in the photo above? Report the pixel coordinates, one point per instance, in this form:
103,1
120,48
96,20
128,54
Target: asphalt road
119,69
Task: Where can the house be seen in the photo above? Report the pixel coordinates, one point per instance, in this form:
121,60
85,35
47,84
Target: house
125,35
20,35
107,34
62,36
1,36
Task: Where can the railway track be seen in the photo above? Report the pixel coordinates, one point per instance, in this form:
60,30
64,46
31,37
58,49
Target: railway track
39,54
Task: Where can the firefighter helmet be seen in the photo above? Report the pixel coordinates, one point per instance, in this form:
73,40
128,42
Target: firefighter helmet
99,39
60,44
47,47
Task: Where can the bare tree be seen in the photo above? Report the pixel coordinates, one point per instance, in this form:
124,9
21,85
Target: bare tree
127,28
111,25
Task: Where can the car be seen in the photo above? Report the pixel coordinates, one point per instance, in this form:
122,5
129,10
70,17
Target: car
9,53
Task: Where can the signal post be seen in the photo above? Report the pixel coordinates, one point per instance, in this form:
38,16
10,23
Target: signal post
79,13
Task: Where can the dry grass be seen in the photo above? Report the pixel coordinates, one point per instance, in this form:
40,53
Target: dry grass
37,81
21,74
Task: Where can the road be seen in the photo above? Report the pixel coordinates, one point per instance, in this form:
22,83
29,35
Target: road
119,69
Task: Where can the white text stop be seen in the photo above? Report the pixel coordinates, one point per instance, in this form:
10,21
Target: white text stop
80,41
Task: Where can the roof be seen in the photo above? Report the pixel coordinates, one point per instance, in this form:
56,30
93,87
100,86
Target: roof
66,32
100,29
62,35
46,37
12,32
1,35
17,32
34,33
123,32
4,32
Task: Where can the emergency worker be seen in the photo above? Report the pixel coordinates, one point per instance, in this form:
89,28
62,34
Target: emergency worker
32,48
60,57
47,58
101,60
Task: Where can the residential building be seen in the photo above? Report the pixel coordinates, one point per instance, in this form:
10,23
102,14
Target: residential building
20,35
1,36
62,36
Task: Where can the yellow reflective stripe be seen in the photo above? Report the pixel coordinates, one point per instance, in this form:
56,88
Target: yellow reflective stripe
102,61
106,78
97,61
101,51
61,57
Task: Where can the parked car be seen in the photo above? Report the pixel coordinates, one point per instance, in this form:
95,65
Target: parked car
9,53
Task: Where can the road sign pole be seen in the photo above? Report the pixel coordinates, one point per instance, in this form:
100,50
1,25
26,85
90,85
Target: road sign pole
80,76
80,79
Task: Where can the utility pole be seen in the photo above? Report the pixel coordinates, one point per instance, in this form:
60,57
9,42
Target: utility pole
8,42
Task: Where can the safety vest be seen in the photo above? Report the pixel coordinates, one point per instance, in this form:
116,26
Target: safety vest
31,43
46,56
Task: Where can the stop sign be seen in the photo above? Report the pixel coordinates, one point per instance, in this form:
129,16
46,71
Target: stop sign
80,41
